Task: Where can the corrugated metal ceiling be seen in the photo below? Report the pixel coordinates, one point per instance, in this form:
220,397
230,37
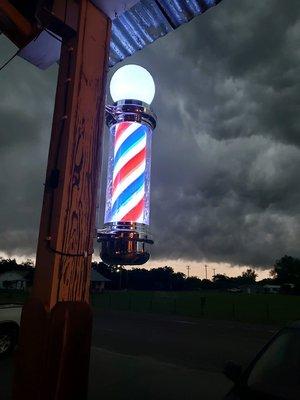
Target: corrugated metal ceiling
149,20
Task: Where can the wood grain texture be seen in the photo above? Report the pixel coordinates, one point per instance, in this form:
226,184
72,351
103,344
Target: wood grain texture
14,25
68,215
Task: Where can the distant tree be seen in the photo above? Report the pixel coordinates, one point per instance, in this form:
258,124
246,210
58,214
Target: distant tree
220,277
162,278
192,283
9,264
28,263
139,279
222,281
267,281
103,269
287,270
207,284
249,276
178,281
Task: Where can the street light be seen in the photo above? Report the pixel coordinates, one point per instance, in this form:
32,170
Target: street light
125,238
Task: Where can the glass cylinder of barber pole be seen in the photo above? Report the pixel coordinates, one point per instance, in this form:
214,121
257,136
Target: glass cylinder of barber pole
128,176
125,239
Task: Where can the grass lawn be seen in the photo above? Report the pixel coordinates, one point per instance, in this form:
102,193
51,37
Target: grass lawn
261,308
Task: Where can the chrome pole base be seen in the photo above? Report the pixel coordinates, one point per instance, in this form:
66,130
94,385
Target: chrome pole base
124,243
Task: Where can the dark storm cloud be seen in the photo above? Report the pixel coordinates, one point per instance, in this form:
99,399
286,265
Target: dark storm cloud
226,156
26,104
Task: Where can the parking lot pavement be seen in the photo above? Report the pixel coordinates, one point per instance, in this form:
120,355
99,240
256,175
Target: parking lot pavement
144,356
193,343
126,377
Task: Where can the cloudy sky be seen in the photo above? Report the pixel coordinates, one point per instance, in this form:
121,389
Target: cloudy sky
226,153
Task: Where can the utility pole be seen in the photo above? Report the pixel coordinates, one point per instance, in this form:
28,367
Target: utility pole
188,270
214,269
120,269
205,271
127,277
55,335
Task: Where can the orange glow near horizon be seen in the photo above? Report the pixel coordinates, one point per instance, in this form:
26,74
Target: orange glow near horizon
197,268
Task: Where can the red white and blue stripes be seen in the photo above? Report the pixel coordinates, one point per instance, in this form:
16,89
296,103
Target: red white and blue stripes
126,191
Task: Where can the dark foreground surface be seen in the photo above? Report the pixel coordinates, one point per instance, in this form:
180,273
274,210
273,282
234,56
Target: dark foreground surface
144,356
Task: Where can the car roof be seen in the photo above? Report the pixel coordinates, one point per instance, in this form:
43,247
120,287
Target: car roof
10,305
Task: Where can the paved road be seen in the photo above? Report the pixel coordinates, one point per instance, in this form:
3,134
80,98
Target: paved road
157,357
193,343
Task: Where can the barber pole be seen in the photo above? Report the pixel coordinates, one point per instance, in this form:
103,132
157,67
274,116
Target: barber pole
128,179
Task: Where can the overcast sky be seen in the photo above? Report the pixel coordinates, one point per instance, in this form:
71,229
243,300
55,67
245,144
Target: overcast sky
226,153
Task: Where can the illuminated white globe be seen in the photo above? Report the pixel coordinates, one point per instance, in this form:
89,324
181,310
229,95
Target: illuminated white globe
132,82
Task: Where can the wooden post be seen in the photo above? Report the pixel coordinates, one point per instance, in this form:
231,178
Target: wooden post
53,356
67,226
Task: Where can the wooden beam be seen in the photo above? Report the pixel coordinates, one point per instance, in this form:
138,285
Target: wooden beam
67,226
61,17
56,325
14,25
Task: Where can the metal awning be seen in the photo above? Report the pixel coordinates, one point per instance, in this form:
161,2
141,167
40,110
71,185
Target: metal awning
149,20
135,25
